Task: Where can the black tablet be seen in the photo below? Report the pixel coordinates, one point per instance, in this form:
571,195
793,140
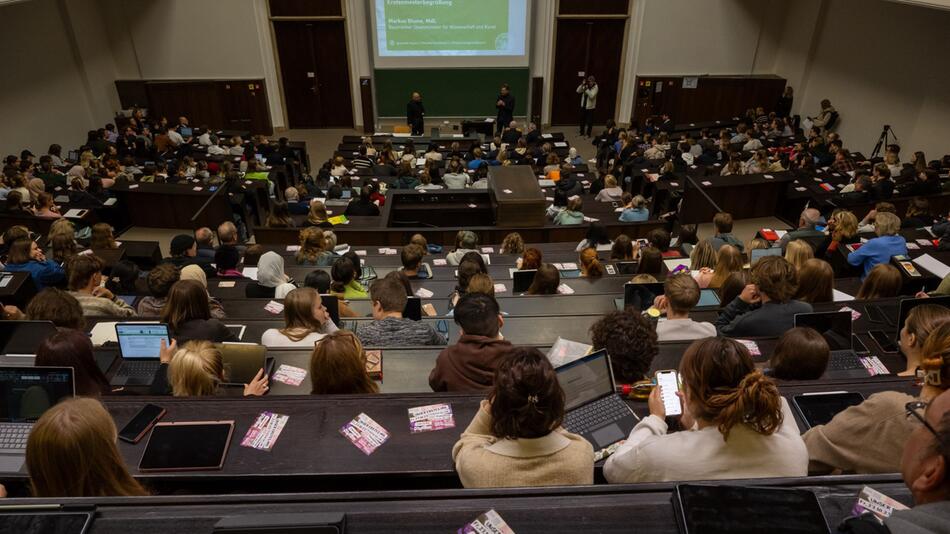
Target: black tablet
819,408
47,522
739,509
189,446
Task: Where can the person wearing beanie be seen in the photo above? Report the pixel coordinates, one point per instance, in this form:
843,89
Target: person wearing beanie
184,251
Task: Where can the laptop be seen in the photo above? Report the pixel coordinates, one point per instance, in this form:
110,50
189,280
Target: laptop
25,394
413,309
758,253
640,296
835,327
708,298
139,348
593,408
242,361
522,280
627,267
332,304
22,338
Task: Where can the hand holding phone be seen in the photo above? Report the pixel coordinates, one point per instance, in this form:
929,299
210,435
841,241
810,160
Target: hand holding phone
668,384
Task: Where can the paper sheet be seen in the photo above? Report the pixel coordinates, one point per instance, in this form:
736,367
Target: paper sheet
250,272
935,266
841,296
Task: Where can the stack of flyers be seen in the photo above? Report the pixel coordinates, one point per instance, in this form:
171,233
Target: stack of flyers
752,346
876,503
290,375
264,432
874,366
365,433
488,523
274,307
430,418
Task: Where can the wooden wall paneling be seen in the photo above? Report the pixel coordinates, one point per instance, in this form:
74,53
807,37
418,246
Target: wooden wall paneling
197,100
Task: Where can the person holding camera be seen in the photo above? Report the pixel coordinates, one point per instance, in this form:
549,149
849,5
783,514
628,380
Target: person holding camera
588,90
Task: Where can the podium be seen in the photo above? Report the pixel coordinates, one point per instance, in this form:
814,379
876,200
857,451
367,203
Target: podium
517,199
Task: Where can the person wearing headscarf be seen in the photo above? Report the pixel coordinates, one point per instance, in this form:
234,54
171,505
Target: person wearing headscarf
271,281
193,272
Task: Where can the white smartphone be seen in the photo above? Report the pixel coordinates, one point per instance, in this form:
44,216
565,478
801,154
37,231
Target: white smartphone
668,382
610,269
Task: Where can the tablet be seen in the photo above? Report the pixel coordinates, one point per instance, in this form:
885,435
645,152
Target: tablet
819,408
189,446
703,509
38,520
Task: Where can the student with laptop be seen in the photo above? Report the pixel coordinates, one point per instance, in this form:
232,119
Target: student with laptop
188,315
85,283
631,341
680,295
516,438
765,307
389,328
306,321
868,437
800,354
470,364
73,348
71,452
196,370
739,426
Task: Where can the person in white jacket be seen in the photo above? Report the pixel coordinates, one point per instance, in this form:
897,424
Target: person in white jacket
738,425
588,90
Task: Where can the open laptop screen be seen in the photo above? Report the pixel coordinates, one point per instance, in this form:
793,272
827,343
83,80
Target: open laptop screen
27,392
141,341
585,379
24,337
835,327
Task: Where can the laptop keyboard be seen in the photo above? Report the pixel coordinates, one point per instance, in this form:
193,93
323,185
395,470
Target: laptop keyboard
845,360
13,435
136,369
595,415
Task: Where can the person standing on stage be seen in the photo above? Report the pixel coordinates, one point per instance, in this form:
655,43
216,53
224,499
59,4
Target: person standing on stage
506,108
588,91
415,114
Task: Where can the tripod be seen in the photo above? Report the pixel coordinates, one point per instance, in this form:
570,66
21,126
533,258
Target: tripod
883,141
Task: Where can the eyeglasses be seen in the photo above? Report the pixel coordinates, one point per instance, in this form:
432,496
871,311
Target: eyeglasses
915,409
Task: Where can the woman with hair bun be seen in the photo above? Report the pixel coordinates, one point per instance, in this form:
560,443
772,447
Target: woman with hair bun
738,426
516,437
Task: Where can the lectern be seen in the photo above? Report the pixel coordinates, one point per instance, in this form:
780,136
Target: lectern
517,198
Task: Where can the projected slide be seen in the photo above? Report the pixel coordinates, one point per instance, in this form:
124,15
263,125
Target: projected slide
450,27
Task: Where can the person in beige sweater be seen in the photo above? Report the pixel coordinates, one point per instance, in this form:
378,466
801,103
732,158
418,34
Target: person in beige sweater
516,438
739,425
869,437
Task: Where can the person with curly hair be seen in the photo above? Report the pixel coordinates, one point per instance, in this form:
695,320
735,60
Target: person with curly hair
630,341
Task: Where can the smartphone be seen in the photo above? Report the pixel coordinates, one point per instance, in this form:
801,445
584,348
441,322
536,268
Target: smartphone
610,269
857,345
668,382
143,421
884,341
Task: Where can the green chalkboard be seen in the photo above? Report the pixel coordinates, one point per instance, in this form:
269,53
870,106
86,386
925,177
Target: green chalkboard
449,92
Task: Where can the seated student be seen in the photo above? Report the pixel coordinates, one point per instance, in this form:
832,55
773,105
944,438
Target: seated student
531,259
651,262
470,364
513,243
25,256
631,342
85,283
45,208
126,279
58,307
572,213
516,438
728,261
318,215
466,270
868,438
816,280
197,370
842,230
547,280
809,218
739,426
634,209
345,284
455,176
611,191
389,328
338,366
765,307
73,348
319,280
226,260
680,294
596,237
313,248
883,282
306,321
797,252
880,249
294,205
363,204
204,240
102,237
920,324
160,280
279,216
193,272
187,313
590,264
412,265
624,249
465,242
271,281
184,251
800,354
71,452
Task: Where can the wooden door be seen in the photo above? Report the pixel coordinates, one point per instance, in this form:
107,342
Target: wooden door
315,73
244,105
594,47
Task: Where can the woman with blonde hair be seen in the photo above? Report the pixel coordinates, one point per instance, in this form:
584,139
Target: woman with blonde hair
728,260
197,370
338,366
884,281
102,237
318,215
512,244
798,252
611,191
313,248
703,256
306,321
843,230
63,227
71,452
